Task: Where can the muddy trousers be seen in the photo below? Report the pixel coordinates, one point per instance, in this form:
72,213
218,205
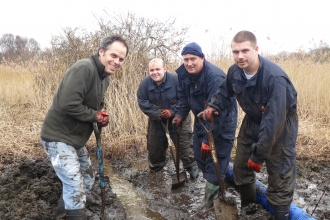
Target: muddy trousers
74,168
281,165
157,144
223,147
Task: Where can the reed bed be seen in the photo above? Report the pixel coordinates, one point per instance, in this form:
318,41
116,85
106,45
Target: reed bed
27,89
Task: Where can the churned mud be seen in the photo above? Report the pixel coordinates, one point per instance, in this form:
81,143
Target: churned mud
30,190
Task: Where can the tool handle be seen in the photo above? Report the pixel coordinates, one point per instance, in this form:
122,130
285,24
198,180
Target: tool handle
97,132
214,156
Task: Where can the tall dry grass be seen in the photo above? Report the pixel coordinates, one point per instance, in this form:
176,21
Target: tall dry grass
27,89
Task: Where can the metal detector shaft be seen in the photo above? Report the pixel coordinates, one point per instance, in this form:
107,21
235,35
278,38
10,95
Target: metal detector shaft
97,132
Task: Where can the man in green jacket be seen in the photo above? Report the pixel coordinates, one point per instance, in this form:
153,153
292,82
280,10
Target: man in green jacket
68,124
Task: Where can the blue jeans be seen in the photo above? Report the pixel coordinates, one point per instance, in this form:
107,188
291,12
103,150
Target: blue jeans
74,168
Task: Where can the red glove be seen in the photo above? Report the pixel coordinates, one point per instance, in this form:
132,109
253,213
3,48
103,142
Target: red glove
254,166
177,121
166,113
208,114
102,118
205,150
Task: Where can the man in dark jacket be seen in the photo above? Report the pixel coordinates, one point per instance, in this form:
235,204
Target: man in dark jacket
68,124
198,81
269,130
158,99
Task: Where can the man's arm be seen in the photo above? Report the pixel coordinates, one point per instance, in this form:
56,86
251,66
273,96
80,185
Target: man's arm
273,119
72,93
149,109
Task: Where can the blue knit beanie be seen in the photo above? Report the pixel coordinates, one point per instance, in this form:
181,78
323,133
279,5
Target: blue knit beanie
194,49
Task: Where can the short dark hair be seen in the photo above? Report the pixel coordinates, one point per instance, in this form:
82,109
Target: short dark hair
111,39
245,36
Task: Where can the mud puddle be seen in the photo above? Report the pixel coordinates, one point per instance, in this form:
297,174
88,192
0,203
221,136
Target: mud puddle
30,189
133,202
182,203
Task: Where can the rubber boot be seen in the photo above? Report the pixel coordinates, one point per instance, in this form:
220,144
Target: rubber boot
211,193
193,172
281,212
76,214
60,211
248,199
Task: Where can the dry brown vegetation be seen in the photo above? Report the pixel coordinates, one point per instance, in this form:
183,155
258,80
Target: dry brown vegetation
27,89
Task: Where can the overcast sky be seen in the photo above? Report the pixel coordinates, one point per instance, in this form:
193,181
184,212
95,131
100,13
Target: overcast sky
281,25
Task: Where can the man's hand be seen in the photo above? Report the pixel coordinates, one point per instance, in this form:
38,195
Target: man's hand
177,121
205,150
254,166
208,114
166,114
102,118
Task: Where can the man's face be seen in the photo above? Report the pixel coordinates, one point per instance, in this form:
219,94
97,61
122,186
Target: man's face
245,55
193,64
157,71
113,57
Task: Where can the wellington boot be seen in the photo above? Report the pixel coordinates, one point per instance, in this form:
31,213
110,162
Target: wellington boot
60,211
248,199
211,193
193,172
281,212
76,214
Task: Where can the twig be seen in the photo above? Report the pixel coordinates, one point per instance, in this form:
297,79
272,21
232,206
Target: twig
318,202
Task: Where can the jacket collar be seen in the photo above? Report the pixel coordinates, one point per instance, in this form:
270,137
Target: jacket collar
100,67
166,83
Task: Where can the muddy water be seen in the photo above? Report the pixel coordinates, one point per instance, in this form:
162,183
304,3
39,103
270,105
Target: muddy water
154,194
148,195
134,203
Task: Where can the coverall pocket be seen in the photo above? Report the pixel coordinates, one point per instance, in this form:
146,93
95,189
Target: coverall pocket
237,88
287,161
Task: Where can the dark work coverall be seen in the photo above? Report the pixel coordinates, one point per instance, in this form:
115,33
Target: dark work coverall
152,99
194,95
269,100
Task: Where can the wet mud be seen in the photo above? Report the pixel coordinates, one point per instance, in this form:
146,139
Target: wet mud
31,189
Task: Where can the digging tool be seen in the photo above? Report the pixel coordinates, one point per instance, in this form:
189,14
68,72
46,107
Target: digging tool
97,132
226,209
181,177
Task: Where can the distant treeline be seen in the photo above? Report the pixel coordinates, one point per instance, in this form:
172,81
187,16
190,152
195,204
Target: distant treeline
146,38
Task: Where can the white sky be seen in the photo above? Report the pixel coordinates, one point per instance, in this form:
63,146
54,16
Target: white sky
281,25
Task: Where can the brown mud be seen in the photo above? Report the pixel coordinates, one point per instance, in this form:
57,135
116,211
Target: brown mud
30,189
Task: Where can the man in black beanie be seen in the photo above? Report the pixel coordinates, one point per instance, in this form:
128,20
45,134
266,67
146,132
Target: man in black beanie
198,81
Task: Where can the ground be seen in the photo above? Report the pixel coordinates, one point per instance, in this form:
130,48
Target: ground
30,189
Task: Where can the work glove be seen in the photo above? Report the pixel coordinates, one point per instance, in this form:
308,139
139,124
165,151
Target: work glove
205,150
251,164
102,118
166,114
177,121
208,114
254,166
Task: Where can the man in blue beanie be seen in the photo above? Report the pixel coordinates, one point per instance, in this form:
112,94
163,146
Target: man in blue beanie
198,82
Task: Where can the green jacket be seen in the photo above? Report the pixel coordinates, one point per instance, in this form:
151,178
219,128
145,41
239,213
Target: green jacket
80,94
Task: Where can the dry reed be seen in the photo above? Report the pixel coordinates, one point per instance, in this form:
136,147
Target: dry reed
26,92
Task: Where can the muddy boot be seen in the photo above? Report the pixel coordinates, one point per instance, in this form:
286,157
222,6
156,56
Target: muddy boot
248,199
193,172
60,211
76,214
211,193
281,212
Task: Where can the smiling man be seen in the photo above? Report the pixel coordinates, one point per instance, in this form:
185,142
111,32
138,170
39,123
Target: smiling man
198,82
67,127
158,99
269,129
